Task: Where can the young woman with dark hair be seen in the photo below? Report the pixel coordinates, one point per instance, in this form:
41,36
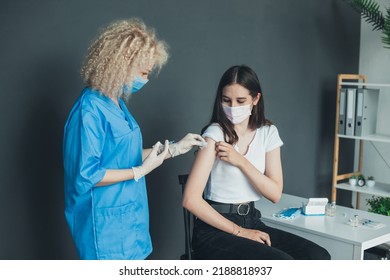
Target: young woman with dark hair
241,164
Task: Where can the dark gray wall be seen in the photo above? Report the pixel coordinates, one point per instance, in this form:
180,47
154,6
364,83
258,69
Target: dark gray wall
296,47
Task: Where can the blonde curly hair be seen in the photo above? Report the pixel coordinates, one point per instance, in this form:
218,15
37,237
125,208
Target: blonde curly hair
121,50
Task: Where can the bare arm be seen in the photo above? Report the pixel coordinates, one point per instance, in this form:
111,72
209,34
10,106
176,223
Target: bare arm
113,176
146,153
193,194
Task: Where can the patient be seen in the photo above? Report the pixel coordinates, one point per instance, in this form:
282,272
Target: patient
241,164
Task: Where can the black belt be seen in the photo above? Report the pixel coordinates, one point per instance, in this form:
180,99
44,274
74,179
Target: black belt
241,209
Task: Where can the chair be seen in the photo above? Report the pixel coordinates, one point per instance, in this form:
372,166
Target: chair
189,220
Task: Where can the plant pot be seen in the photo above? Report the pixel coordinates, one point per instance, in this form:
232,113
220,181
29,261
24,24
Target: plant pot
353,182
370,183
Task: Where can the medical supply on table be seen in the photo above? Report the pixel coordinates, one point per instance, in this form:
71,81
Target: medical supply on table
330,209
288,213
355,221
315,206
371,224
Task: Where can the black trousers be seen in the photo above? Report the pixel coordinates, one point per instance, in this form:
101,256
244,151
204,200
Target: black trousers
210,243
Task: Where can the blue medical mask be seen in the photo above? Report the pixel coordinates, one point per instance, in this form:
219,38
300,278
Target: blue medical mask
137,84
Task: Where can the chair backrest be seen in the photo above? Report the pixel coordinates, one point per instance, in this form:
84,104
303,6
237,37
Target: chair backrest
188,223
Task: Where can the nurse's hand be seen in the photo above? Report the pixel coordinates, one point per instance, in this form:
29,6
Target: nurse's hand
186,144
152,161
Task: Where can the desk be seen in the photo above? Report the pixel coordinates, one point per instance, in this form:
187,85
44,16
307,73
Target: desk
342,241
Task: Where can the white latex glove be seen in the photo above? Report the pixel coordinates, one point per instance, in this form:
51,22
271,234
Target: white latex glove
152,161
186,144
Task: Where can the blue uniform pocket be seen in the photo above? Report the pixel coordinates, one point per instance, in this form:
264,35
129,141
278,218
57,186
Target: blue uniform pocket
121,233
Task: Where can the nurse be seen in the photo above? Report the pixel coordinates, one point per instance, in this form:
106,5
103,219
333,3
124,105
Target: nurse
106,204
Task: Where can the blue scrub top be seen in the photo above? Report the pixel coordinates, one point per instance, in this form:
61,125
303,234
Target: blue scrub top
107,222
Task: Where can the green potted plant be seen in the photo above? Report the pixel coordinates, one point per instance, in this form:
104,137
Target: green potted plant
379,205
353,180
370,181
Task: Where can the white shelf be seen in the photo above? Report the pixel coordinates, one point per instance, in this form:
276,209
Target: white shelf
371,137
380,189
364,84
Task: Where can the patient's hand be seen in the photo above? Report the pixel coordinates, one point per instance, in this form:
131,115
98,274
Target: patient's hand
226,152
255,235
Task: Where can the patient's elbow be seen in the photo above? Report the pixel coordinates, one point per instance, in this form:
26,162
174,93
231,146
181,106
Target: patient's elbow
276,198
187,203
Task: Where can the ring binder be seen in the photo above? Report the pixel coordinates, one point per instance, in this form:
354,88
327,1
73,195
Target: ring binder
366,111
351,106
343,96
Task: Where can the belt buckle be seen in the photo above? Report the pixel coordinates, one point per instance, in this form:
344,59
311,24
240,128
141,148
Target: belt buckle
247,209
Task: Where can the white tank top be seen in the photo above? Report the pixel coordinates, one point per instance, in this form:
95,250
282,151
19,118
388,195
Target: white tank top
227,184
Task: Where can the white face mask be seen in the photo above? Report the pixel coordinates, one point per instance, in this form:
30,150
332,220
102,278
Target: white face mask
237,114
